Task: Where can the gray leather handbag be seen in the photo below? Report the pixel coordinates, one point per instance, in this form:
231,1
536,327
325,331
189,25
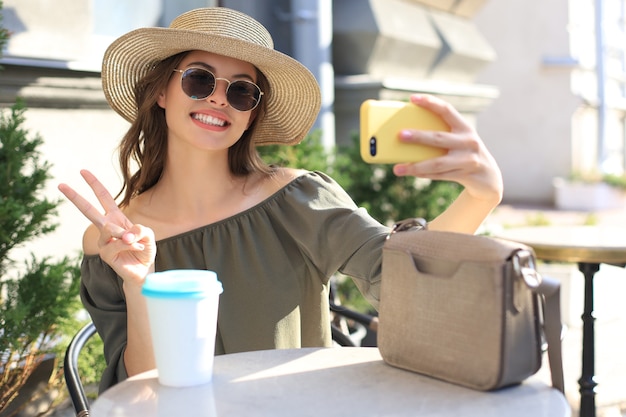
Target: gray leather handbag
467,309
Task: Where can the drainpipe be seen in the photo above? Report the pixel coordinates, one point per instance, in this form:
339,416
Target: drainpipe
622,20
312,31
622,24
601,79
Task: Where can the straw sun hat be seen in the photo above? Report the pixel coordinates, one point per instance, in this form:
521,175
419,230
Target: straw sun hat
292,103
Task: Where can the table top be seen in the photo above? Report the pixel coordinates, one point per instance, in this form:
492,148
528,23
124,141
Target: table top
591,244
322,382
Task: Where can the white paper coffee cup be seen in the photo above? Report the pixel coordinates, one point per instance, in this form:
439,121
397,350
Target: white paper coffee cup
182,311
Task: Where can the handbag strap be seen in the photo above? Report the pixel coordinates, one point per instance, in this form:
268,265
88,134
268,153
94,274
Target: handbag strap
549,289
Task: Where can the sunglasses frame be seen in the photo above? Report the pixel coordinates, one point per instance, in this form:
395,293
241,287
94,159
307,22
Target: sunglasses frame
182,76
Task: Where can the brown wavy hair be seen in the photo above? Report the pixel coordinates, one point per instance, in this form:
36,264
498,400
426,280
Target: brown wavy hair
145,142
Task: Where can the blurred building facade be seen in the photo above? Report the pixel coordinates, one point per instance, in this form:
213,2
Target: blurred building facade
531,89
380,49
561,73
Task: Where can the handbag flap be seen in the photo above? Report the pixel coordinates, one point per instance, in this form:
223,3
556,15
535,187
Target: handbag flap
455,247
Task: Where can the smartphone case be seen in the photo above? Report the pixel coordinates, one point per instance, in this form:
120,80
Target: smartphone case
382,120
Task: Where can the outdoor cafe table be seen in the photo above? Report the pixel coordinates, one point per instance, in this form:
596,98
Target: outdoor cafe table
589,246
339,381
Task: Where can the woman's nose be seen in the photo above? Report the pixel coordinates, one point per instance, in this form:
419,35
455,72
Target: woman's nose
219,93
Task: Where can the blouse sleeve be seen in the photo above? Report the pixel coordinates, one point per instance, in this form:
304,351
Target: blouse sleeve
102,295
337,235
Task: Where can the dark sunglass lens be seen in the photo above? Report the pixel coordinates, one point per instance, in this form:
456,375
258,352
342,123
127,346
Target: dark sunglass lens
243,95
197,83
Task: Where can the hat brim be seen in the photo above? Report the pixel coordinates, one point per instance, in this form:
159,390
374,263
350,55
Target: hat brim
292,104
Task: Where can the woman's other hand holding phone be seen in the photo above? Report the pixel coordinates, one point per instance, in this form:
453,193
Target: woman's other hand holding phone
468,162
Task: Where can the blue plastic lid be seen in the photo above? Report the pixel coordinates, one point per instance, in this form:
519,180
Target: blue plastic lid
181,283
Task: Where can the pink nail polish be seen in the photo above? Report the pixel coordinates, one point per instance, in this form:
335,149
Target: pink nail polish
405,134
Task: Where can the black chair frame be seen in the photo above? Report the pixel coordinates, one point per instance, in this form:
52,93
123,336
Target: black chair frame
70,366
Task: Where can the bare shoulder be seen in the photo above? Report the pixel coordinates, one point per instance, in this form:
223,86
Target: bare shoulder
284,176
90,240
278,180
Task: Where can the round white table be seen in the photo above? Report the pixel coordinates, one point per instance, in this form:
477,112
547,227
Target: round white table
322,382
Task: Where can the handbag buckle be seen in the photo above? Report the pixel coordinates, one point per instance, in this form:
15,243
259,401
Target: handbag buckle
524,266
408,224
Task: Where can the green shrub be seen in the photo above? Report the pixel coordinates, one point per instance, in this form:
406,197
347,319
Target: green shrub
389,198
38,297
38,313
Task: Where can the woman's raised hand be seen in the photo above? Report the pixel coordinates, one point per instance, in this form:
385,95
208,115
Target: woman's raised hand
130,249
468,162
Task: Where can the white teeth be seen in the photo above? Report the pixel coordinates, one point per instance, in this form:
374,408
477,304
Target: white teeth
209,120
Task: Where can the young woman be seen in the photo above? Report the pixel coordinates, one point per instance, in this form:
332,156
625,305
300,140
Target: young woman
200,96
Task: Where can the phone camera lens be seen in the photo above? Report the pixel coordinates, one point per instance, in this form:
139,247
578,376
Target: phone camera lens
373,146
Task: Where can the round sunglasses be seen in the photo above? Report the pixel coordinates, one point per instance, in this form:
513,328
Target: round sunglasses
199,83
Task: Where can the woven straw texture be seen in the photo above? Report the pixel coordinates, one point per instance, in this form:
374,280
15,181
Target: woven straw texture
293,101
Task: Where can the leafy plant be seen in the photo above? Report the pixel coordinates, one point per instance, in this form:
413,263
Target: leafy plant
308,154
24,212
38,298
617,181
4,33
537,219
37,312
591,219
389,198
614,180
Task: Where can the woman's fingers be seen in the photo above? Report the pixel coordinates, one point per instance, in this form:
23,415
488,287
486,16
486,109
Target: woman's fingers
112,214
135,248
467,141
460,136
83,205
130,249
464,153
445,110
140,238
102,194
110,231
467,161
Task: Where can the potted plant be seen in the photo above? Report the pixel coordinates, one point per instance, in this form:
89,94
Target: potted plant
38,296
590,192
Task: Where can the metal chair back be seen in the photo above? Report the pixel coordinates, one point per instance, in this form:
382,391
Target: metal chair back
72,377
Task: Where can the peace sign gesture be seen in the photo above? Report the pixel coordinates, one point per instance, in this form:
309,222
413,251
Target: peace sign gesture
129,249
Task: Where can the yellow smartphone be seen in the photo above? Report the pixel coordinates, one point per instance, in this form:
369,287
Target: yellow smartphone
380,123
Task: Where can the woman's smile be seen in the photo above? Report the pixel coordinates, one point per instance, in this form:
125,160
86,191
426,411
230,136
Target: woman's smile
207,119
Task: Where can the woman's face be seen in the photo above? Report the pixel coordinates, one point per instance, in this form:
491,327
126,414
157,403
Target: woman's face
210,124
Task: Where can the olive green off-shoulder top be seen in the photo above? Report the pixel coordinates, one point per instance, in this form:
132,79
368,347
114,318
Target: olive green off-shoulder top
274,261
